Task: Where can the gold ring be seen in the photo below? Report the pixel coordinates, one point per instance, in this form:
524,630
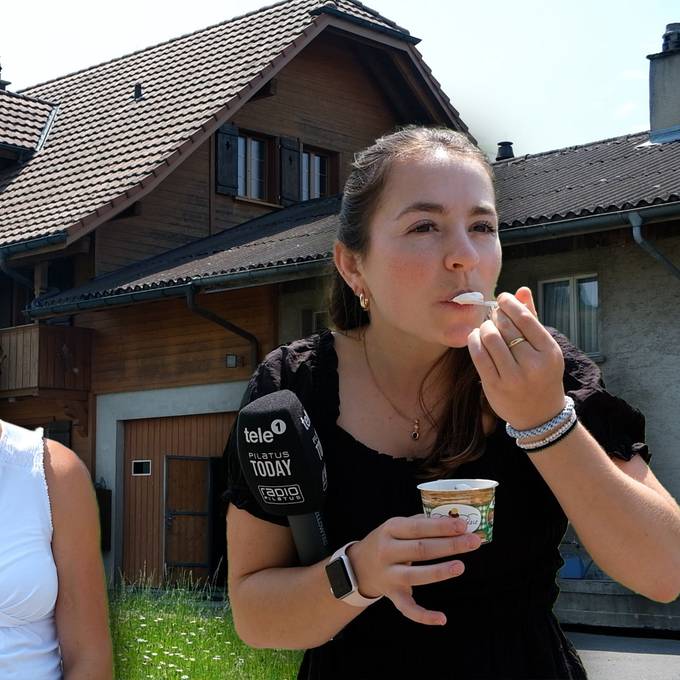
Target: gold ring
516,341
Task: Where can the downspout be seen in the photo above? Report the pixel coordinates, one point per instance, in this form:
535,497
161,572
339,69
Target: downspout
636,222
233,328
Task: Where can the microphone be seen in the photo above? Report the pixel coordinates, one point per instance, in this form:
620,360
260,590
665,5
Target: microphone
282,460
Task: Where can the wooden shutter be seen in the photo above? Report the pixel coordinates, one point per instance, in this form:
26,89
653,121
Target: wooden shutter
226,175
290,170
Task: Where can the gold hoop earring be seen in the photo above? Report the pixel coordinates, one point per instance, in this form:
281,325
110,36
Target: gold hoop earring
363,302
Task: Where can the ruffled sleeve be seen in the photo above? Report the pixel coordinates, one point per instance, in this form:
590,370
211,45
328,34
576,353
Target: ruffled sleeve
294,367
266,379
618,427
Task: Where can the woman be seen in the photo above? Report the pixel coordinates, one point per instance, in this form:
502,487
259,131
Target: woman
53,614
413,387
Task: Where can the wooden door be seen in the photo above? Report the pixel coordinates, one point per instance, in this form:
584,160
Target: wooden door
188,485
149,443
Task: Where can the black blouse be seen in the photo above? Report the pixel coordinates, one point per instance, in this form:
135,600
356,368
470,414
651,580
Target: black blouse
499,611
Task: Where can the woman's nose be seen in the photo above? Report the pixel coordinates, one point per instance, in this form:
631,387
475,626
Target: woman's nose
460,253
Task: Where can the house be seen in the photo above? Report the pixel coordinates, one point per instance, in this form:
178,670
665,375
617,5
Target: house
212,140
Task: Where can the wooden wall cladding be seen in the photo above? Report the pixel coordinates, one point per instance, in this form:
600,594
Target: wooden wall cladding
144,522
176,212
325,98
163,344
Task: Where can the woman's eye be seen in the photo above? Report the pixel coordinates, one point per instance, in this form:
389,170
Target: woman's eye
423,228
485,227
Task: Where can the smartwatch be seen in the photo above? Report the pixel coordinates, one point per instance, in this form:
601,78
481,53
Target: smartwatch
343,582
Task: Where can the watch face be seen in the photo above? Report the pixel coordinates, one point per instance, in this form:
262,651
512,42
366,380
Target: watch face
341,585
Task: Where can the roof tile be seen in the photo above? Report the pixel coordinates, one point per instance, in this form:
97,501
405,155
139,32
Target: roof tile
22,120
605,175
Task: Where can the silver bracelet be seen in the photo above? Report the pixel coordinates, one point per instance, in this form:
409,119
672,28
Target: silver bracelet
550,438
558,420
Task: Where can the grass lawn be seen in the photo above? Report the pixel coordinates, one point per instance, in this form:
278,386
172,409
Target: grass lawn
179,634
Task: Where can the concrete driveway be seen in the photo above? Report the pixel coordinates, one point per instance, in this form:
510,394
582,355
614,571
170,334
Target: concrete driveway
613,657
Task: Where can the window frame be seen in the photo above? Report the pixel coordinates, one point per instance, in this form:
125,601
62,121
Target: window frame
331,171
250,136
573,308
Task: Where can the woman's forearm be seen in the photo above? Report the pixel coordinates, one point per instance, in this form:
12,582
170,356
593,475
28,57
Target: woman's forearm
97,666
288,608
630,530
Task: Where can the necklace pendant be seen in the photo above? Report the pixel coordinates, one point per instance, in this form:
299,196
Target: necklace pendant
415,435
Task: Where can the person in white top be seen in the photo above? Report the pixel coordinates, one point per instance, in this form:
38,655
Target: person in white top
53,605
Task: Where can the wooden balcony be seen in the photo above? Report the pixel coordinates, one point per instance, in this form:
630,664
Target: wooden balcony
47,361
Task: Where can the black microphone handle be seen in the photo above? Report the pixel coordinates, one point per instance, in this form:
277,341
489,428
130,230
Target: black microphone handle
310,537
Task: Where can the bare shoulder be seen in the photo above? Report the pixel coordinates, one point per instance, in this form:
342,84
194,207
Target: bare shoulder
68,479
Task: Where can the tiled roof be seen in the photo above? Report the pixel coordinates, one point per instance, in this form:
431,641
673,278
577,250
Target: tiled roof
301,233
612,174
106,147
22,120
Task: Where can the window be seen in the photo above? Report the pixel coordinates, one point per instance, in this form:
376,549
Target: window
572,306
244,164
274,169
141,468
314,183
252,167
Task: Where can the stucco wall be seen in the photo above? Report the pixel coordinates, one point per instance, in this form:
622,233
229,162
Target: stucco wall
639,332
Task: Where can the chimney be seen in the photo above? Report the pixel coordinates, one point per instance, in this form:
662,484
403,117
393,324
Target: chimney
504,151
664,88
3,83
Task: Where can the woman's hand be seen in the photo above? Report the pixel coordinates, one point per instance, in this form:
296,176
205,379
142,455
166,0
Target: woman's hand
523,383
383,561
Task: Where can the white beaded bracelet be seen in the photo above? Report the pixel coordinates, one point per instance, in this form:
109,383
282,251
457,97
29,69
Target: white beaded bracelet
552,438
562,417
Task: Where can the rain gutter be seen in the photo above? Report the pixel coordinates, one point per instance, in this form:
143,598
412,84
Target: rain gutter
33,244
241,279
513,236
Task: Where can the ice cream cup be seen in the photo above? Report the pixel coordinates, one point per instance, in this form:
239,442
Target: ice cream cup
471,499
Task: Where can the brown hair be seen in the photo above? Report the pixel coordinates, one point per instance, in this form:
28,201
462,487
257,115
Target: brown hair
460,435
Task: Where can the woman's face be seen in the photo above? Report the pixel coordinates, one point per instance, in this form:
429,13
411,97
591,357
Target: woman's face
433,235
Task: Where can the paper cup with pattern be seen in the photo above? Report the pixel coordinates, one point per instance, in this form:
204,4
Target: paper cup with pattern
471,499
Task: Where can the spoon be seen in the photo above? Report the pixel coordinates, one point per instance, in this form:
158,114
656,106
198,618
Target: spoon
474,299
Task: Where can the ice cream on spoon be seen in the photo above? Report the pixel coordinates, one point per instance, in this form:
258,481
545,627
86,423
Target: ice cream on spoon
474,298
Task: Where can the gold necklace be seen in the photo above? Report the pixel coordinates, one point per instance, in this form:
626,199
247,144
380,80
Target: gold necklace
415,432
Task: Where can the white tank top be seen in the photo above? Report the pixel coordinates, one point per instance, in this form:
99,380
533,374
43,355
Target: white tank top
28,575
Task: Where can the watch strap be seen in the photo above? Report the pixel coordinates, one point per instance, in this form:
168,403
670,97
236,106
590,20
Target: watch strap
354,597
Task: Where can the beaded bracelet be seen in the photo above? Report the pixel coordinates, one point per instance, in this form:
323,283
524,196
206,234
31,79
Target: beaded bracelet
539,446
552,438
558,420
